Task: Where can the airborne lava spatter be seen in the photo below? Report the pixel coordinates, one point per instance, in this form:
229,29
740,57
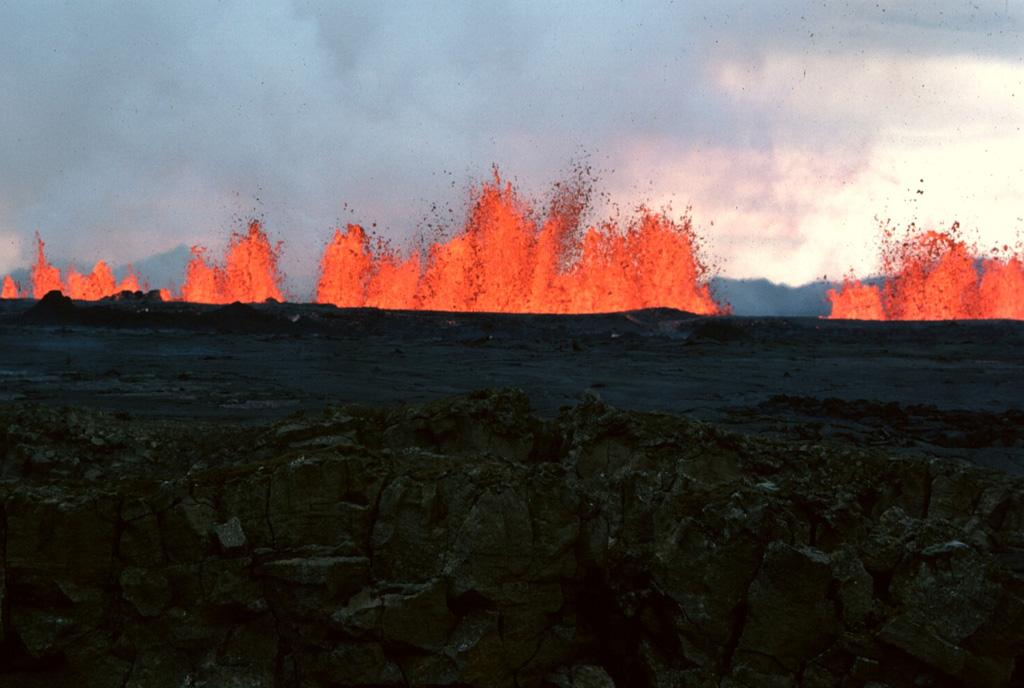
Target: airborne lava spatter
506,260
10,288
249,274
511,257
95,285
45,277
934,275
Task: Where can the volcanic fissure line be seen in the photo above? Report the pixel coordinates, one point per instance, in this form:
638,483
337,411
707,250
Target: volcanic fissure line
508,257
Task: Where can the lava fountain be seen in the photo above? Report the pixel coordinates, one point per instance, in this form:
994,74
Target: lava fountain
249,273
935,275
507,260
89,287
507,257
10,289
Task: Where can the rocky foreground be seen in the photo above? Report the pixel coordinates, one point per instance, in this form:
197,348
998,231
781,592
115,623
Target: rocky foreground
465,542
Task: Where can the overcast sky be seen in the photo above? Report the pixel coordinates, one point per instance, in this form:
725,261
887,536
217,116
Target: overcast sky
129,128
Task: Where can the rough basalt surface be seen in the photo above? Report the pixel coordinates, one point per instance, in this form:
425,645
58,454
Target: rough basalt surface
466,542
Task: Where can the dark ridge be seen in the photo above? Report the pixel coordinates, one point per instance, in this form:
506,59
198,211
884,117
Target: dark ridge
243,319
138,310
52,309
151,296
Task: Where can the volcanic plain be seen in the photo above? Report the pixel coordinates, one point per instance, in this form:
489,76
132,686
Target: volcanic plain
951,389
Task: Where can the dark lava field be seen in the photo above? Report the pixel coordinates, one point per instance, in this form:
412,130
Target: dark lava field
300,495
949,389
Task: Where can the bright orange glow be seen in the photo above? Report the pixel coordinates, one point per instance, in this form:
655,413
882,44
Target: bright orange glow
511,257
508,257
1002,288
96,285
504,260
932,275
45,278
856,301
99,283
394,281
202,281
351,267
10,290
251,270
351,275
249,275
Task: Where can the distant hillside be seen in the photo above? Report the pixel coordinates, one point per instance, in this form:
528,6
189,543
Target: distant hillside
162,270
759,297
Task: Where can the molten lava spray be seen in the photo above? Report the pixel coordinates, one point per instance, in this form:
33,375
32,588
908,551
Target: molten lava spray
353,276
506,260
95,285
45,277
249,274
508,257
10,290
932,275
99,283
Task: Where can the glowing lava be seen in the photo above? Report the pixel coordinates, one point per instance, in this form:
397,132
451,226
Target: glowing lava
249,274
45,277
93,286
856,301
505,260
10,290
932,275
508,257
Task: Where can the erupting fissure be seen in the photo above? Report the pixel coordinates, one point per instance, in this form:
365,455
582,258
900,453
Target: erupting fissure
506,258
935,275
95,285
249,273
511,257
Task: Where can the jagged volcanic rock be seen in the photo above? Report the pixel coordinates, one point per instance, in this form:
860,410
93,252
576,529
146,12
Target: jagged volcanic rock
467,542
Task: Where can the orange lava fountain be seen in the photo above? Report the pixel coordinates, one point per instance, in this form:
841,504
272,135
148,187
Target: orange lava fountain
504,260
932,275
99,283
11,288
352,276
91,287
45,277
249,275
856,301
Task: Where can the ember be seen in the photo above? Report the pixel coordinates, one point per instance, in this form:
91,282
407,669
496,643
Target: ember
935,275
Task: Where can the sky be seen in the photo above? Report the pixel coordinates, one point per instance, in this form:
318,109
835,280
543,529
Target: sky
130,128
